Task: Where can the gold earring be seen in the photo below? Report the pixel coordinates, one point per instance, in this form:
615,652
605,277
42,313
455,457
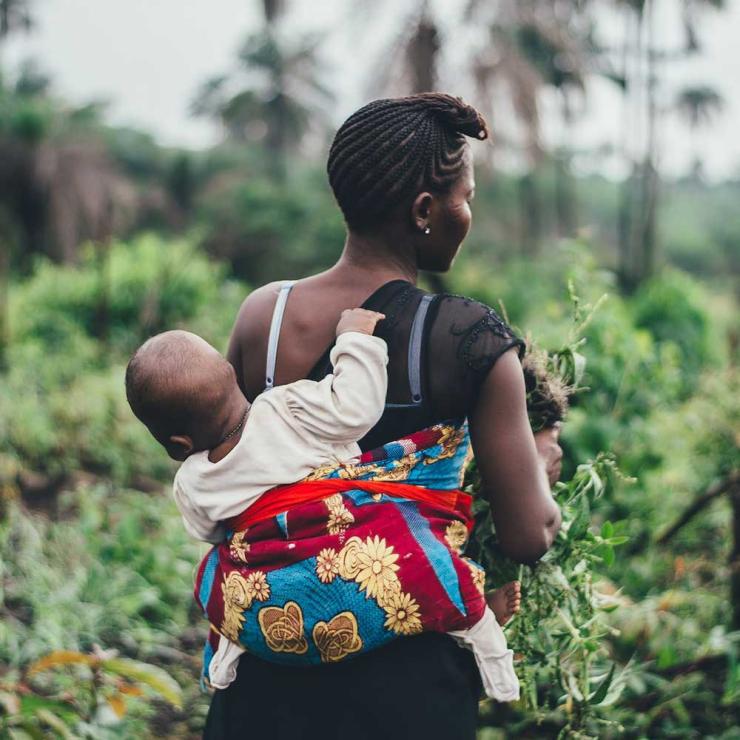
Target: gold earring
427,230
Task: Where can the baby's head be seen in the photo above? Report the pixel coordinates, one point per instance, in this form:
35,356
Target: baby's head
183,390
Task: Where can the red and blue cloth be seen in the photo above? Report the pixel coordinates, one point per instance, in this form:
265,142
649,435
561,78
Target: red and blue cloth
355,556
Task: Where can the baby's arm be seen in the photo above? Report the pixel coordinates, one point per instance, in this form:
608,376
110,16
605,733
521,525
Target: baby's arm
197,524
344,406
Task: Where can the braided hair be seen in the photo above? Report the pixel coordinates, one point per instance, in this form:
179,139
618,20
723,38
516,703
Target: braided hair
392,149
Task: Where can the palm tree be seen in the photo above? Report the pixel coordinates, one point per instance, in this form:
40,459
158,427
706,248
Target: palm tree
15,15
698,105
410,62
533,46
644,65
273,95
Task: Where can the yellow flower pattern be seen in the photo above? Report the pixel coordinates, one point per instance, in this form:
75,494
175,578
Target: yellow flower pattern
340,517
377,568
373,562
257,587
236,600
397,470
477,574
238,548
282,628
402,614
337,638
456,535
327,565
449,441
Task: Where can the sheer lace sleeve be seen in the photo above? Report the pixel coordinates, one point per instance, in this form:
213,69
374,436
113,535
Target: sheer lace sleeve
465,338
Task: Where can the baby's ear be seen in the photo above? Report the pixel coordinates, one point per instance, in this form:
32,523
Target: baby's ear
179,447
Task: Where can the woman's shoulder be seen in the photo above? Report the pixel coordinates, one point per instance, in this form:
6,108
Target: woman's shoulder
255,313
472,332
473,320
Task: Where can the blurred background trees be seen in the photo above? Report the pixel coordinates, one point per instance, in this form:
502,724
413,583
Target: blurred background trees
107,236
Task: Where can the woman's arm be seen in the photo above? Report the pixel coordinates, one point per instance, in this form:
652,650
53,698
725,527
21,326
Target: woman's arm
514,474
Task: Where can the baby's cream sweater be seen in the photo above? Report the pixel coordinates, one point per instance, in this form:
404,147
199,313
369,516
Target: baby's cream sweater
290,431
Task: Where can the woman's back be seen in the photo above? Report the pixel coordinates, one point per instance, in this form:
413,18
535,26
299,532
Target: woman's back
370,696
457,343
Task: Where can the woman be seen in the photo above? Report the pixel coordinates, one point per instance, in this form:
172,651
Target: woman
401,172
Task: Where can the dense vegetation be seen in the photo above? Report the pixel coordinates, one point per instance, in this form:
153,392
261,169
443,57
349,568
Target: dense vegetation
94,557
630,625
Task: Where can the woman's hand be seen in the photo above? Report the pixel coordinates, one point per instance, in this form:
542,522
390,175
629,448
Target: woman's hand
550,452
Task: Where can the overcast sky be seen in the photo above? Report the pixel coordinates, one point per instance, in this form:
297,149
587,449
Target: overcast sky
148,57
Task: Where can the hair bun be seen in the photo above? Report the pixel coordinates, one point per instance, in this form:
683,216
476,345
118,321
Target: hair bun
455,114
393,148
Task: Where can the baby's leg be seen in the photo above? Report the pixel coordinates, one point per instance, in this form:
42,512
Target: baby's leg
494,659
505,601
222,670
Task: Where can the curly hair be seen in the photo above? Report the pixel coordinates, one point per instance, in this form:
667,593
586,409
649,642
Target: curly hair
392,149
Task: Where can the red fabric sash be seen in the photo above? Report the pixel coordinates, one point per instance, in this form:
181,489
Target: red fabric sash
284,497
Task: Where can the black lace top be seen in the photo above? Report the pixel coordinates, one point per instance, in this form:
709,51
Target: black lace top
461,341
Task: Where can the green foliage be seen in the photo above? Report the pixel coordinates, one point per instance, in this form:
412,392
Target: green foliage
97,576
123,293
563,661
267,231
110,566
674,309
62,401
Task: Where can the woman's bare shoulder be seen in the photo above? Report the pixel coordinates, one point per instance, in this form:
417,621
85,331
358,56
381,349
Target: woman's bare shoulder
255,313
249,337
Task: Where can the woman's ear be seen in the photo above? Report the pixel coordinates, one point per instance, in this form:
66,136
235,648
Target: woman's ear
421,210
179,446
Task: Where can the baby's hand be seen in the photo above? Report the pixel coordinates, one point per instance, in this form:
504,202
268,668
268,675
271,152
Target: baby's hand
358,319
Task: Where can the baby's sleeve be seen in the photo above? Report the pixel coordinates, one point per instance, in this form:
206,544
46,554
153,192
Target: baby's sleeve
346,405
197,524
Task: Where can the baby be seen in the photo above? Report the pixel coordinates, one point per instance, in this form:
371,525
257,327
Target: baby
233,453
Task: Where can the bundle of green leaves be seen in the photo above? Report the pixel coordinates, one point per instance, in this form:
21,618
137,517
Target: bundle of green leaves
562,661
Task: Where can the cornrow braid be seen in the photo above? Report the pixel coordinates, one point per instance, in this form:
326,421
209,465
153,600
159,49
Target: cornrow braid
392,149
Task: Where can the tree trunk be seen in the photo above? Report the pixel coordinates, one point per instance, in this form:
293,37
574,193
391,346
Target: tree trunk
624,228
565,195
625,214
735,558
531,215
4,303
650,181
422,54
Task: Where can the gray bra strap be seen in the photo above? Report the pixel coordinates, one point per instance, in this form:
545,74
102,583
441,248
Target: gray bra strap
415,346
277,322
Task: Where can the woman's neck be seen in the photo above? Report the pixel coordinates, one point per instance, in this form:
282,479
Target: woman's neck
377,259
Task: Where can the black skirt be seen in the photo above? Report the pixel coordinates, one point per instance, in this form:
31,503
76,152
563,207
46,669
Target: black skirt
422,687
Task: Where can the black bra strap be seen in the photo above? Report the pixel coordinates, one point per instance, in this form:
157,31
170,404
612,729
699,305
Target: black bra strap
414,356
415,346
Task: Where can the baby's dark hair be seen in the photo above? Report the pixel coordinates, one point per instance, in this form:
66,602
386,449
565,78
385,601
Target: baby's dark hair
392,149
170,390
547,392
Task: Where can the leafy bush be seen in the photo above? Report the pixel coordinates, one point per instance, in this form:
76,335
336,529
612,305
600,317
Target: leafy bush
674,309
62,401
97,577
121,294
268,231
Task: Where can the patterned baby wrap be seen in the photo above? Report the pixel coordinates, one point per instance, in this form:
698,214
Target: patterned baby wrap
364,553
